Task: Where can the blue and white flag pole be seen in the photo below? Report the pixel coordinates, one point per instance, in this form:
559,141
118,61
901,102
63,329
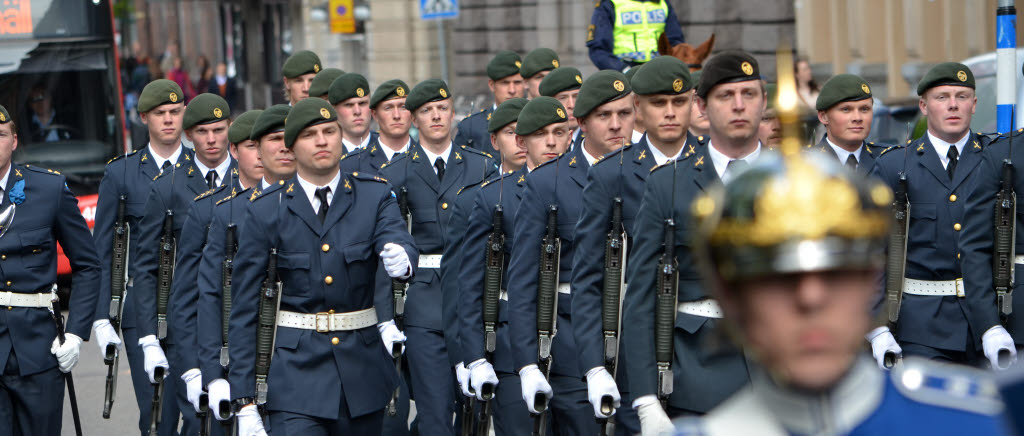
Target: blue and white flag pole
1006,65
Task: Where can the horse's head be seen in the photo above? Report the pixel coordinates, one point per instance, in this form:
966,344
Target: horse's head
693,56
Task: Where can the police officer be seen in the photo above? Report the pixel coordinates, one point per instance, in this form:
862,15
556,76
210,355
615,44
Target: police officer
624,33
44,213
664,89
162,108
563,84
605,113
432,172
333,375
206,123
350,96
799,297
321,84
504,81
845,109
732,95
298,73
936,319
536,65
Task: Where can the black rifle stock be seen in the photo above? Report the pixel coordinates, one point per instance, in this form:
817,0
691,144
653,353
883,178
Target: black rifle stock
270,302
1003,241
896,261
118,290
493,274
227,268
667,290
399,288
204,414
611,303
158,400
164,274
547,309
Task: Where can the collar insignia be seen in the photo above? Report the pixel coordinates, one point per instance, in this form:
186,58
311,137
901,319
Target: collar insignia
700,161
643,154
291,188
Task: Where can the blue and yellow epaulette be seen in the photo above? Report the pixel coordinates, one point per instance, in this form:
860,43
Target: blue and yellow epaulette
260,193
549,162
890,149
945,385
396,159
368,177
873,148
352,153
473,150
470,186
206,194
42,170
612,155
115,158
234,193
496,178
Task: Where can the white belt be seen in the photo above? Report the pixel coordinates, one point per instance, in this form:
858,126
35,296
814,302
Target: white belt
430,261
328,322
1019,259
934,287
707,308
564,288
15,299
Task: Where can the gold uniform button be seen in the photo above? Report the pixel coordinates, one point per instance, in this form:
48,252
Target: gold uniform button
952,198
8,283
958,255
3,257
956,227
335,340
325,248
328,280
444,206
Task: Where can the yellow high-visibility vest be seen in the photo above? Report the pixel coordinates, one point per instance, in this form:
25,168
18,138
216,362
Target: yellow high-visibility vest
637,27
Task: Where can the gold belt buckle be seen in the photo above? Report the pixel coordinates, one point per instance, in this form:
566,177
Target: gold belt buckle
323,322
960,288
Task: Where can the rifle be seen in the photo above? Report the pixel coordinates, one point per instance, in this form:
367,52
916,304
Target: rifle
896,261
158,400
118,289
399,288
270,302
226,270
493,274
1003,241
204,414
611,303
547,309
165,271
667,293
58,320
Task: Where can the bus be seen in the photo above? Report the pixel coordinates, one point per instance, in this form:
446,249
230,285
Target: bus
59,81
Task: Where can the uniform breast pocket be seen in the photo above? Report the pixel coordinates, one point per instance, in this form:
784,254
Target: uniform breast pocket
923,224
35,245
357,260
293,268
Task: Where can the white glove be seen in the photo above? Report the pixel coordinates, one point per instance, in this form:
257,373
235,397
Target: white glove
396,261
219,390
462,374
390,334
249,422
153,356
600,383
653,419
883,342
105,334
533,383
480,373
997,340
193,385
67,354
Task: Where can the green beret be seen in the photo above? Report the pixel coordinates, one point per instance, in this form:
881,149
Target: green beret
541,59
346,86
393,88
600,88
504,64
5,117
946,73
772,90
538,113
727,67
322,81
270,121
695,75
302,62
305,113
506,113
159,92
630,73
205,108
840,88
425,92
662,75
561,79
241,128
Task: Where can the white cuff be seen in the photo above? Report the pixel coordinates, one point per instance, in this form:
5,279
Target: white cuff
100,323
874,333
385,324
190,374
594,370
528,368
148,340
644,400
996,327
476,363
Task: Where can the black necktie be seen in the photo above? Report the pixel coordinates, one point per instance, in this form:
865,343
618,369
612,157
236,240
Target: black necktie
439,166
321,193
211,179
851,161
167,164
953,155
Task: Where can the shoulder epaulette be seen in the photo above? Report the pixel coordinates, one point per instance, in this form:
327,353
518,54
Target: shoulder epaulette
121,156
480,152
396,159
611,155
666,164
233,194
891,148
369,177
352,153
496,178
949,386
205,194
42,170
549,161
470,186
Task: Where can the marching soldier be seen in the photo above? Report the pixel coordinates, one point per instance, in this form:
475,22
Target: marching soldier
432,173
563,84
605,113
845,109
205,122
316,251
732,96
770,130
623,34
699,125
638,124
504,81
39,211
387,106
663,89
297,73
801,315
128,180
536,65
937,319
321,84
350,96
